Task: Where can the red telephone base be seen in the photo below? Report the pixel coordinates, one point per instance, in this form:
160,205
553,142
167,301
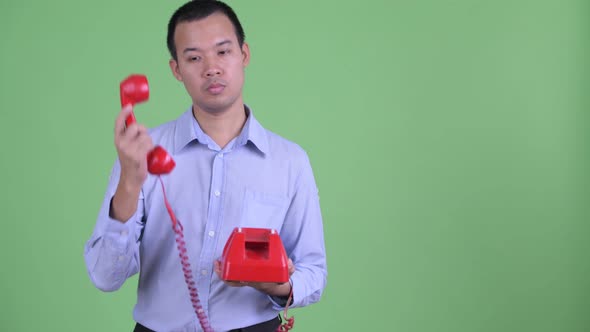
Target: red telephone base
254,255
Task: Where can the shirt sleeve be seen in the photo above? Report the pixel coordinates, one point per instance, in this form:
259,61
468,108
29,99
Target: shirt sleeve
303,238
112,252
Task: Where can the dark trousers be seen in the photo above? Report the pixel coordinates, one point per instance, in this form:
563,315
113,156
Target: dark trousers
268,326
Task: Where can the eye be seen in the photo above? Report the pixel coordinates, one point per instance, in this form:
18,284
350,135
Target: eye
224,52
194,58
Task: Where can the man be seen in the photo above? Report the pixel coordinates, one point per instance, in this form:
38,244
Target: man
230,172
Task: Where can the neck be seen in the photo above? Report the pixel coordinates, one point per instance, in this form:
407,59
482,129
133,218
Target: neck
222,127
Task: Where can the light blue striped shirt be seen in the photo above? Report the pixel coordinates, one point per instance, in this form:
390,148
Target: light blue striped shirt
258,180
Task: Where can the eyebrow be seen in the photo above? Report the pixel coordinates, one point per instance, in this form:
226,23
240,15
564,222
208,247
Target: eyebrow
196,49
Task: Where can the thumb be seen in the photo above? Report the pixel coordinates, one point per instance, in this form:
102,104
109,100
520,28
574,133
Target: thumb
120,121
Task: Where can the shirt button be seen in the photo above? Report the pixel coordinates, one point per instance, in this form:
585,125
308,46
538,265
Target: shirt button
121,258
217,193
220,155
211,233
124,232
204,272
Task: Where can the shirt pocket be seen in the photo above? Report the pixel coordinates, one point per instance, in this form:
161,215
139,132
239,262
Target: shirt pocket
263,210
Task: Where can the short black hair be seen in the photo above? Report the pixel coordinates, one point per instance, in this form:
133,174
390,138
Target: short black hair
199,9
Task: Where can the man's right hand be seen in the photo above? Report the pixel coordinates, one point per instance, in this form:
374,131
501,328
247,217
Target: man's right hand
133,145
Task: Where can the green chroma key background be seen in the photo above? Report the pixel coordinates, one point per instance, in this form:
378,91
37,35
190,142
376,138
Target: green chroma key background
449,141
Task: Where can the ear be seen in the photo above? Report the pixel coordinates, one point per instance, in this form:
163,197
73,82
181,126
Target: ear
174,68
245,54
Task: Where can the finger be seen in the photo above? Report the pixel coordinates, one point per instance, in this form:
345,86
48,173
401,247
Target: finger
234,283
120,121
139,134
144,145
131,133
141,129
133,144
217,267
291,266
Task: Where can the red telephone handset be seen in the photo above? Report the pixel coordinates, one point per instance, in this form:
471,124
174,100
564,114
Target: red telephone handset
135,89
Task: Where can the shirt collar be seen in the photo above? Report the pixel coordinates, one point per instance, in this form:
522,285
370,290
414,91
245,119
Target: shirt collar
188,130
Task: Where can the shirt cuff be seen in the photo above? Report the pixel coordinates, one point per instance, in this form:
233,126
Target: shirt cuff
119,232
281,301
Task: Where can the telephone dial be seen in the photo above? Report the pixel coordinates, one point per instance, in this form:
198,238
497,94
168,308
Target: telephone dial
249,255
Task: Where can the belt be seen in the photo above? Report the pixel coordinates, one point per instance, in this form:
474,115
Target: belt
268,326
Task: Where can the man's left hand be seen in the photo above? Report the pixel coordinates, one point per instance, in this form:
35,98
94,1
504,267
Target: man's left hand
270,288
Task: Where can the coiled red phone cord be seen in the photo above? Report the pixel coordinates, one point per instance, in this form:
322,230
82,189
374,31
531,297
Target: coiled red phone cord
186,266
188,274
287,322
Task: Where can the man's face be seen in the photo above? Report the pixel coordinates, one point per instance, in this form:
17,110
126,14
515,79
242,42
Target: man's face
210,62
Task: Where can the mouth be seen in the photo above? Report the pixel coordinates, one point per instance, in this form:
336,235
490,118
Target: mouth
215,88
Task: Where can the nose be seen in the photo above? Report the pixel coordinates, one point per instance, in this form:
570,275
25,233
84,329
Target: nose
212,69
